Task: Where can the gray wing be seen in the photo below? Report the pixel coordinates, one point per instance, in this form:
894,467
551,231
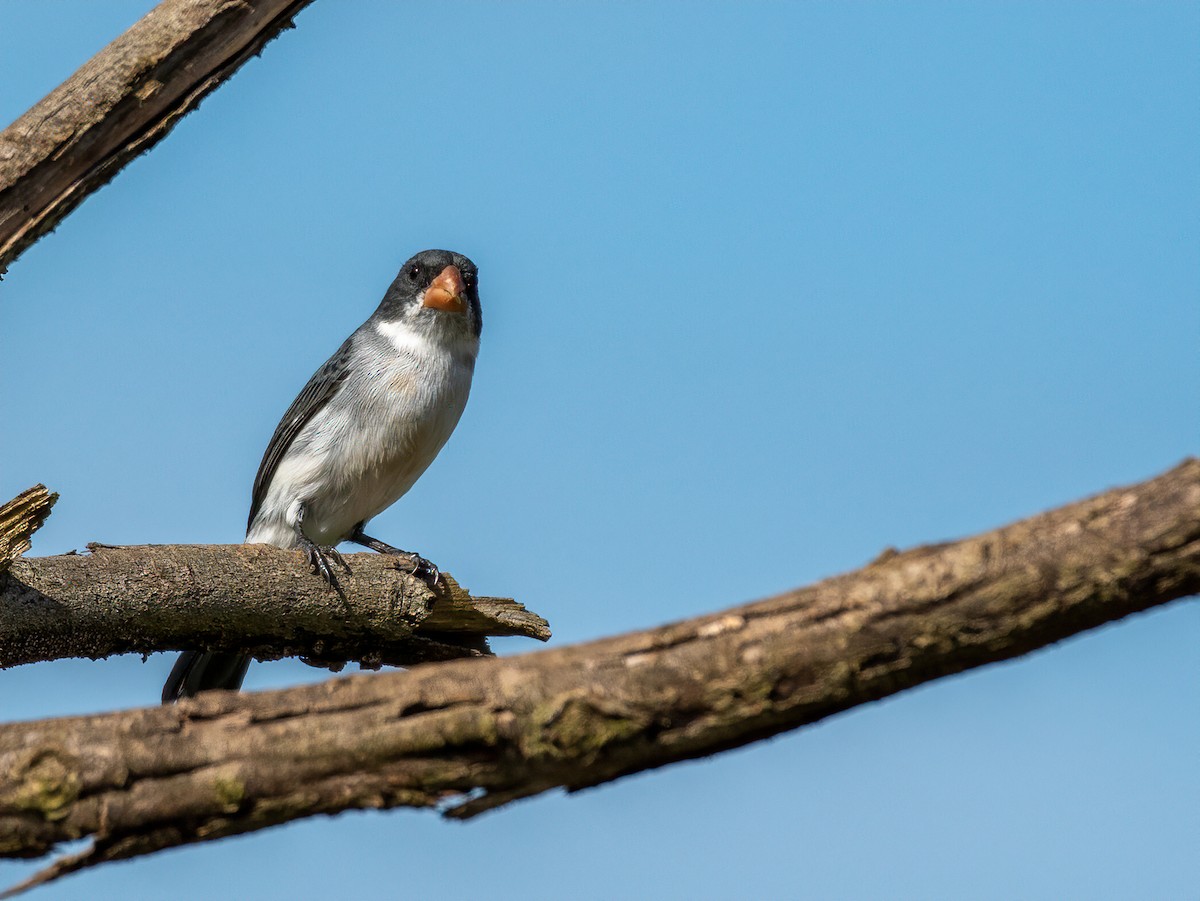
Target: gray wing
324,384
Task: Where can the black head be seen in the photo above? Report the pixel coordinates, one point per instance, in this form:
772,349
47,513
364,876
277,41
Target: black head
435,290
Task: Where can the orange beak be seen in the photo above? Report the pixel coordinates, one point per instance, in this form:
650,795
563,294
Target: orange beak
447,292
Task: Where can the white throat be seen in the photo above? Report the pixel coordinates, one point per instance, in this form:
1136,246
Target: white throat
423,343
405,339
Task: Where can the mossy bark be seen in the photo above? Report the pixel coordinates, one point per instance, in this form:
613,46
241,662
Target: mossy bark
468,736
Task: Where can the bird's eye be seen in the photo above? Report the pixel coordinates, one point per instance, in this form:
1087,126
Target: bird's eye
414,271
468,279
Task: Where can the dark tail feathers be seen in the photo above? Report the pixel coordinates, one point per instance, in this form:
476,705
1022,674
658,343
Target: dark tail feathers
197,671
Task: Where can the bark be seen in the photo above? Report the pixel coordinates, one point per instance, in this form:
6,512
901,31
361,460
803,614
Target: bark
257,599
121,103
468,736
19,519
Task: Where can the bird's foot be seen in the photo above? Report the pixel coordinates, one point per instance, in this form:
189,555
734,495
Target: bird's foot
319,555
318,558
421,568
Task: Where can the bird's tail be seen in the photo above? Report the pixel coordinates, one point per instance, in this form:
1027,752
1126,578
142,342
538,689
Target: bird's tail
197,671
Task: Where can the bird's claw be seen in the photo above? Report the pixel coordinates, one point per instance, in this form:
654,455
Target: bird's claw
318,559
339,560
320,555
421,568
424,569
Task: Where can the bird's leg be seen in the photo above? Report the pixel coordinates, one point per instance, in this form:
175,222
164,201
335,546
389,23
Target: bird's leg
421,568
318,555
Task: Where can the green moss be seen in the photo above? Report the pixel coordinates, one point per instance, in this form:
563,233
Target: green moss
230,791
49,786
575,728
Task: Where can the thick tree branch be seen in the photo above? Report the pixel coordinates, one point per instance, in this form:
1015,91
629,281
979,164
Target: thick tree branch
468,736
252,598
121,103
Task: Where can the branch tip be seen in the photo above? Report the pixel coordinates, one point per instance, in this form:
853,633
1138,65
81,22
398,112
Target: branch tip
20,518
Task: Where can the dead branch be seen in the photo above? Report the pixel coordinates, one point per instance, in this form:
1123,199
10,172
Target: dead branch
19,519
121,103
469,736
257,599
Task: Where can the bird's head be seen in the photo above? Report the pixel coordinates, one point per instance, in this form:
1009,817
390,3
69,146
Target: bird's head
436,294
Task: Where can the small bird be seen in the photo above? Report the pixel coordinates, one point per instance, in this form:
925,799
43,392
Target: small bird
366,426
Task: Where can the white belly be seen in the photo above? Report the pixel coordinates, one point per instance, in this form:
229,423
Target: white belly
365,448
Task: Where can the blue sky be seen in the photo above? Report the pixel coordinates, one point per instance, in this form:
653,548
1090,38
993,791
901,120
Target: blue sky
767,288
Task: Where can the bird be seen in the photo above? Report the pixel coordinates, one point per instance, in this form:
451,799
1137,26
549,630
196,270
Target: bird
359,435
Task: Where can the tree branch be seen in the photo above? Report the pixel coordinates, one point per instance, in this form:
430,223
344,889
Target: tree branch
121,103
252,598
468,736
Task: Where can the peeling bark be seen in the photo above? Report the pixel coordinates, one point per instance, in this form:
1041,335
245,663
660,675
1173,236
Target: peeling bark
468,736
120,103
19,519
